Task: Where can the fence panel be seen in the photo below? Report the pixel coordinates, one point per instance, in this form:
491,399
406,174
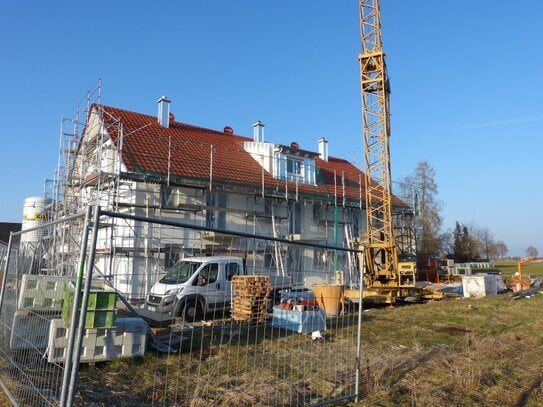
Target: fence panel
33,281
186,315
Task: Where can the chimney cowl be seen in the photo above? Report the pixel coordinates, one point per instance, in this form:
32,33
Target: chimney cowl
164,111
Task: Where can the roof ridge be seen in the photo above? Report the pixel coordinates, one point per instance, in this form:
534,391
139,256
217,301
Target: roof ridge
222,133
191,126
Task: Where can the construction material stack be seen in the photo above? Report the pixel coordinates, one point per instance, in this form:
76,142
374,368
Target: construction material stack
250,294
40,300
42,321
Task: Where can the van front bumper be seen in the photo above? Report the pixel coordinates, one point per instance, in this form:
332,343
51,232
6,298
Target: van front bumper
161,304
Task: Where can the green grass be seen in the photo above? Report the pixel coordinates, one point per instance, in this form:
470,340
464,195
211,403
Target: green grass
509,267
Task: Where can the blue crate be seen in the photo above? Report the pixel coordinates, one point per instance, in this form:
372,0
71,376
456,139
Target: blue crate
299,321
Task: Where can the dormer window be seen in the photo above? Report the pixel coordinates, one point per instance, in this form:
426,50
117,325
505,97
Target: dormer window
295,169
290,163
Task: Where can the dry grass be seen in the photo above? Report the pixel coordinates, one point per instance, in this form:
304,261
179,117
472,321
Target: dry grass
461,352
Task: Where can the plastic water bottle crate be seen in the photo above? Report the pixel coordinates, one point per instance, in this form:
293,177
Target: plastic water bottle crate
126,339
42,292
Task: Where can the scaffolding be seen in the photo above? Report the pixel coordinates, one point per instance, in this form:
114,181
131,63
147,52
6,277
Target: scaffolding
151,220
92,170
82,143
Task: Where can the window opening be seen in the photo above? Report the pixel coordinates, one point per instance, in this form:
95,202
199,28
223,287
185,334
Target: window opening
231,270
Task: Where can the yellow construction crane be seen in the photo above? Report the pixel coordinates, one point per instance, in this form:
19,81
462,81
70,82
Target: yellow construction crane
384,276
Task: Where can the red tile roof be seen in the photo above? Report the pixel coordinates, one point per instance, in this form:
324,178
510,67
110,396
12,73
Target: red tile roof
150,149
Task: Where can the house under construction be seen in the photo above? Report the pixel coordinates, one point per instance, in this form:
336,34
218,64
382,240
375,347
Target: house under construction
155,166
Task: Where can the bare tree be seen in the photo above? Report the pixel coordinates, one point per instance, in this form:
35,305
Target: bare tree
501,249
447,242
469,241
532,252
428,222
486,241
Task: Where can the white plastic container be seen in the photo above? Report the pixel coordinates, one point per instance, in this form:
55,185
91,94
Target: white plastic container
500,285
33,215
30,330
479,285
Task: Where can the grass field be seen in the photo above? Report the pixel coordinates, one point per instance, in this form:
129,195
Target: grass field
461,352
509,267
468,352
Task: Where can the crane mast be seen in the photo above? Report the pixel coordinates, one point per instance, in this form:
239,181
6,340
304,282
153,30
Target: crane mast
382,269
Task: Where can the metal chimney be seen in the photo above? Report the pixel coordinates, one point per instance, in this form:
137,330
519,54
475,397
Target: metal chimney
323,148
258,132
164,111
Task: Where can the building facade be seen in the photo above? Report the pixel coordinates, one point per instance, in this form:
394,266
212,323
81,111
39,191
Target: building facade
157,167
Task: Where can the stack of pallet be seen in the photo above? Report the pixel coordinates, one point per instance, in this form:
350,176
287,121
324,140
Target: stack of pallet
250,297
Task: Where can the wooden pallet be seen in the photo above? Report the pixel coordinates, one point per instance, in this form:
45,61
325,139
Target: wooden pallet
251,318
253,286
250,301
248,311
250,298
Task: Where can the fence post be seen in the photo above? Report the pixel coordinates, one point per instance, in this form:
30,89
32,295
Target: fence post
359,333
6,268
84,303
75,313
4,279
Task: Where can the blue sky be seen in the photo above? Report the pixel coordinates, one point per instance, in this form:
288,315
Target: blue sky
466,78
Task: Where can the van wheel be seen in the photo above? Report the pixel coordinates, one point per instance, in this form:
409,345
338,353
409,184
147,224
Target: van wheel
192,311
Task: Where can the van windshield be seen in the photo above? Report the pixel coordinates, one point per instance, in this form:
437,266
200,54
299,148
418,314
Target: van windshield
180,272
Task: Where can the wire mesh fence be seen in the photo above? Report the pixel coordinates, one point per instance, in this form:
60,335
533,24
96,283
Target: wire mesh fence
30,299
177,314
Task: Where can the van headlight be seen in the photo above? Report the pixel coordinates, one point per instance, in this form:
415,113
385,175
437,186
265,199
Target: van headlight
168,300
174,291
